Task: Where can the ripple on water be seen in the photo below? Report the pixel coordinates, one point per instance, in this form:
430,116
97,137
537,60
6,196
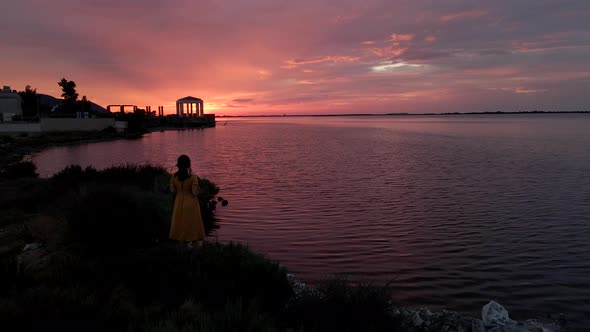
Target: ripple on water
455,211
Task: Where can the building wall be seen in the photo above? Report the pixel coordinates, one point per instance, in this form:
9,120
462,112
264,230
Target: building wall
10,105
58,124
20,127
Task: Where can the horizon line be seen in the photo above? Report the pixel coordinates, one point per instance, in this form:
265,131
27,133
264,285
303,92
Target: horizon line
400,114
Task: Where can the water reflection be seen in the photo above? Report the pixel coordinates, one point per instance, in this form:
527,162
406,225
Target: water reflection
462,210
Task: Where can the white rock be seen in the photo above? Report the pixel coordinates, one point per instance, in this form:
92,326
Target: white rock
417,320
32,246
425,312
493,314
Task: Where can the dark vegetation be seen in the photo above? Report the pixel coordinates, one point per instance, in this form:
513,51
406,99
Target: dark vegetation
103,263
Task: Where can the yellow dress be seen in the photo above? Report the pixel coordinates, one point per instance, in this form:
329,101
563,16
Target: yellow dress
187,224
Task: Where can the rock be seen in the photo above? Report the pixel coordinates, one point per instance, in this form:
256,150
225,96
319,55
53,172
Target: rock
40,264
494,315
11,240
477,326
417,320
32,246
297,285
534,325
49,230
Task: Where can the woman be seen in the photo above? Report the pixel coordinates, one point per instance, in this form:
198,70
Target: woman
187,225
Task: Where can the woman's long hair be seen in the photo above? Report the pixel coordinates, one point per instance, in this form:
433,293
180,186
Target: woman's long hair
184,165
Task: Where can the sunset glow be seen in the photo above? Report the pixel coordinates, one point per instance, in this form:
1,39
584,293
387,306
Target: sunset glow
304,57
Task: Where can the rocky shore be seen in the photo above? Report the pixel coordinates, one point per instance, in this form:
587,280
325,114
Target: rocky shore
494,318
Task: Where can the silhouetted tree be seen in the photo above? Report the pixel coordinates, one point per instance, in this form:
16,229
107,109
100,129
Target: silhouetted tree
30,102
84,105
69,94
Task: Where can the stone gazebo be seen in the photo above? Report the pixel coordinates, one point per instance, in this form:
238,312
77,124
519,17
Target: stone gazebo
190,107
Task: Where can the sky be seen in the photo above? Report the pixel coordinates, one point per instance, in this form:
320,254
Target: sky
247,57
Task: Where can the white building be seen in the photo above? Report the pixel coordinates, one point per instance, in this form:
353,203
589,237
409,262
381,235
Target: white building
190,107
10,104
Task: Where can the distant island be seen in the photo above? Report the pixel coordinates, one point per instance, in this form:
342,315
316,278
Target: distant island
404,114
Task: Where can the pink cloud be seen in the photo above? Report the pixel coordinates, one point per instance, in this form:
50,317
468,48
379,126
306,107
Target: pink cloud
469,14
150,53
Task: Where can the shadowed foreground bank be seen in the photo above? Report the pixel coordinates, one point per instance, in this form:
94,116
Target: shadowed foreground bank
87,250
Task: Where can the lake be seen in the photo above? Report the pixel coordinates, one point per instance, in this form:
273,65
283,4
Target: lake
454,210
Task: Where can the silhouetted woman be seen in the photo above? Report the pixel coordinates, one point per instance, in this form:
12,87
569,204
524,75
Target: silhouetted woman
187,225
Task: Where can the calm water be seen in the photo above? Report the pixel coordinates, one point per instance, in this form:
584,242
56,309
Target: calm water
458,210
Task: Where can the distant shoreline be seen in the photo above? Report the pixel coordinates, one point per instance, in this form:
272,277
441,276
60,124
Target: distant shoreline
403,114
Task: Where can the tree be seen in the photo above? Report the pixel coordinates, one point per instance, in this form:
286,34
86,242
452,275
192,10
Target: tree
69,94
30,102
84,104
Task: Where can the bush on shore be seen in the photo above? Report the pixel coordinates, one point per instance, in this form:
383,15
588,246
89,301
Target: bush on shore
114,269
22,169
147,178
218,288
335,304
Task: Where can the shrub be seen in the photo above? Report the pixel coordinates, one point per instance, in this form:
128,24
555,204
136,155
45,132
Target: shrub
74,174
148,178
336,305
142,176
109,218
52,309
162,288
6,139
22,169
26,194
211,275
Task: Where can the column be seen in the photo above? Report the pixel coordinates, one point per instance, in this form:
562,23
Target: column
202,108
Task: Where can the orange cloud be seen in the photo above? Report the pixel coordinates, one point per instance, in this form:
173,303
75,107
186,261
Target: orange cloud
317,60
401,37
